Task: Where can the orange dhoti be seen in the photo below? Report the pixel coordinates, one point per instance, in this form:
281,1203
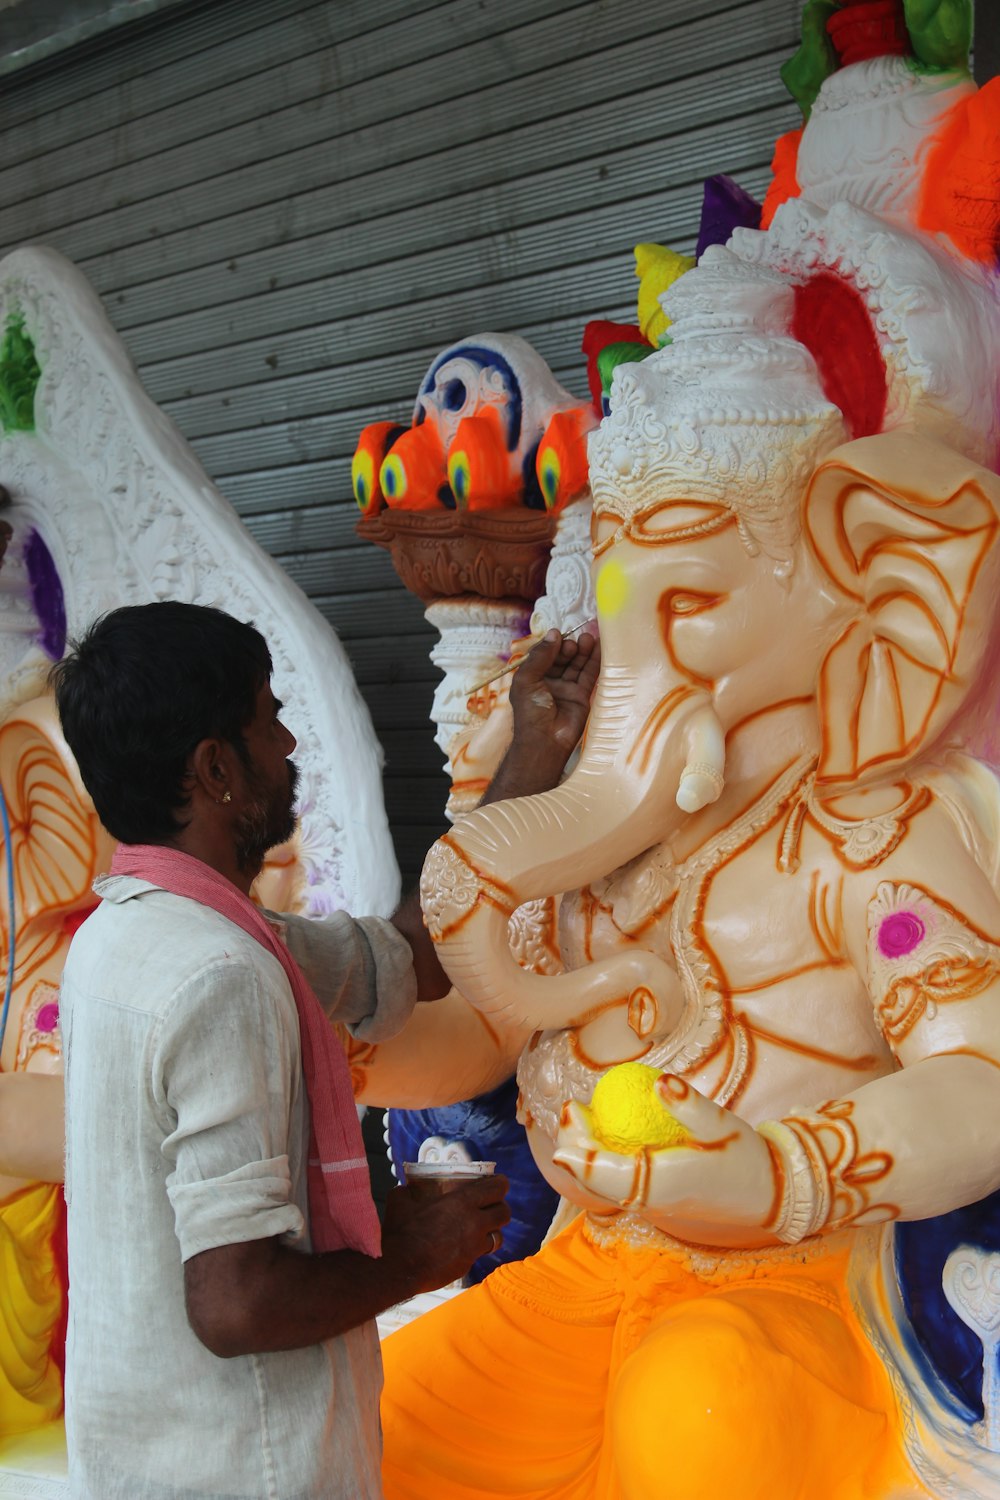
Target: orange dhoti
605,1368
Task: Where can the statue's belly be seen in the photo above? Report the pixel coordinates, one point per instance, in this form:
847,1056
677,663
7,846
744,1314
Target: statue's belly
787,1046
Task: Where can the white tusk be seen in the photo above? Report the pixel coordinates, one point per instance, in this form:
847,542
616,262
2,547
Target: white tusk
702,779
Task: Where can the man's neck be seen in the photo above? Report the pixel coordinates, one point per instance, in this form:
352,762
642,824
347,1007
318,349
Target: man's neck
215,851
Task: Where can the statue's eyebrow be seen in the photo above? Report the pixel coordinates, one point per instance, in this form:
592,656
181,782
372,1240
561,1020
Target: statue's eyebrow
715,517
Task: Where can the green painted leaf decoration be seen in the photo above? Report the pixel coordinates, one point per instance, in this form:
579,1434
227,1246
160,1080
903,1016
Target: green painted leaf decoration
613,355
19,377
940,33
804,74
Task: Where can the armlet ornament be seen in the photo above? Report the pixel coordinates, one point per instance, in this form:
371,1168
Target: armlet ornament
921,955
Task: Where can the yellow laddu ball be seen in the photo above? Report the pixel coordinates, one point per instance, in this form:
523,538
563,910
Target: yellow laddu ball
627,1114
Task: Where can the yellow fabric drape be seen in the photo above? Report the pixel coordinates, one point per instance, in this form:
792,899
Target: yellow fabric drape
31,1302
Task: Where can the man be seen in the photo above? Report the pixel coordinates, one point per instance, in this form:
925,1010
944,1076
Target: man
224,1251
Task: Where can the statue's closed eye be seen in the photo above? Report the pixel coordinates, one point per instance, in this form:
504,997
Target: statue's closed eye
689,602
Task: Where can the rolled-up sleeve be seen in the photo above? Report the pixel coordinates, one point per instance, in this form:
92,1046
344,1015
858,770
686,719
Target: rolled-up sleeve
226,1067
360,968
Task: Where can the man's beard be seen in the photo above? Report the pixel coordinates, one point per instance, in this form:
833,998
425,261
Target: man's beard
269,819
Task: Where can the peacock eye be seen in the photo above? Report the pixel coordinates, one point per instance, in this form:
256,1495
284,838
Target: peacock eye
362,477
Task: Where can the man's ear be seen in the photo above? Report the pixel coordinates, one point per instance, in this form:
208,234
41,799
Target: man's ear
210,766
910,530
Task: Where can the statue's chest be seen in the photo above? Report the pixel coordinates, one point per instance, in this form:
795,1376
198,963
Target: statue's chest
773,1010
758,925
738,912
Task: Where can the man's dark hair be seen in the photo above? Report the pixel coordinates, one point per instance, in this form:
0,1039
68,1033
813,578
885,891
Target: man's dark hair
139,691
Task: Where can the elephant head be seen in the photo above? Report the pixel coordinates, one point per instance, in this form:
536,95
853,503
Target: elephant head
773,545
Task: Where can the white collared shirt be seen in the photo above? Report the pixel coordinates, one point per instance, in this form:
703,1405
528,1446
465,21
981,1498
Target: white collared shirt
187,1128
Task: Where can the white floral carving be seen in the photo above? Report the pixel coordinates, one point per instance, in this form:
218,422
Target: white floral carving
971,1283
129,516
476,637
934,315
568,601
869,132
732,414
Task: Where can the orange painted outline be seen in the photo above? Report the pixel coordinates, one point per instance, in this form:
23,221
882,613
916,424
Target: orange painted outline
631,528
938,533
655,722
780,1181
819,1054
485,895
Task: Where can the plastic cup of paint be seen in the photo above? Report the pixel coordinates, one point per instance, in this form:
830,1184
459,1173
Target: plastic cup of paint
429,1179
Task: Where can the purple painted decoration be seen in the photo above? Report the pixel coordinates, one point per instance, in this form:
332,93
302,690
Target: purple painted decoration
899,934
725,207
48,1017
46,596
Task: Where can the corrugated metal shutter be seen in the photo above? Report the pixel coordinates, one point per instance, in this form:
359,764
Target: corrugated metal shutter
290,208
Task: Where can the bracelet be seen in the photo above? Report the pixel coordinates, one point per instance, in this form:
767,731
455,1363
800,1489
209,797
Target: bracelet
805,1202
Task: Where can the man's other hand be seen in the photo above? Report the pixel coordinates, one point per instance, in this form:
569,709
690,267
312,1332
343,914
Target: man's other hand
257,1296
437,1238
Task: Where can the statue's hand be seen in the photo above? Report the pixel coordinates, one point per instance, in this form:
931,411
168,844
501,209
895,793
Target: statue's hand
716,1188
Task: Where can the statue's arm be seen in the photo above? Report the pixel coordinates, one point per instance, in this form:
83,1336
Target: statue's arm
923,931
32,1133
921,1141
446,1052
917,1143
926,1139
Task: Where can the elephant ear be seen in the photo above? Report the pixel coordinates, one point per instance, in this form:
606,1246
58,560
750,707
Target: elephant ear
908,528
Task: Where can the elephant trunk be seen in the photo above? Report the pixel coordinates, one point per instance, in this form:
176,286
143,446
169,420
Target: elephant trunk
647,758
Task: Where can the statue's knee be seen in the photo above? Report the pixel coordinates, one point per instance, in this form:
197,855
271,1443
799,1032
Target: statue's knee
696,1354
700,1408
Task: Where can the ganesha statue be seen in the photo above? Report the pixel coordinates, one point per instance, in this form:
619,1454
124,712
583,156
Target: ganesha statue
773,876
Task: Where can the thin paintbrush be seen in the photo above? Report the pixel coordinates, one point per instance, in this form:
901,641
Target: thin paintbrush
512,666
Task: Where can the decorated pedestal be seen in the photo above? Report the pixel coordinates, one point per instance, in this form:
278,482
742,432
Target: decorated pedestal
465,502
479,505
478,573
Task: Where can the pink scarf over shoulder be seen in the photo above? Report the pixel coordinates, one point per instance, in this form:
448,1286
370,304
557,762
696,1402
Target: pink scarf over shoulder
341,1212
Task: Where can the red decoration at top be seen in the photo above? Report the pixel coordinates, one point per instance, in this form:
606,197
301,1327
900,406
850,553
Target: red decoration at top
833,322
869,28
597,335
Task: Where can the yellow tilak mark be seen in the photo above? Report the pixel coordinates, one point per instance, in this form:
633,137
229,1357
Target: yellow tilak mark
612,589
